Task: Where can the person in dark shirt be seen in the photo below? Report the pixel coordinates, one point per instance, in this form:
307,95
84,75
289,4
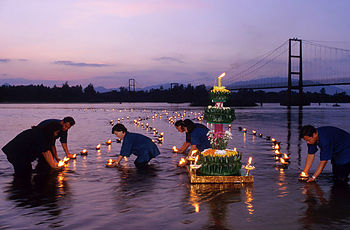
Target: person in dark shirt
198,135
137,144
66,123
334,145
29,145
180,126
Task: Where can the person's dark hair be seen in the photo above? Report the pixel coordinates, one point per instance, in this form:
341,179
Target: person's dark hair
49,129
189,125
118,128
307,130
70,120
179,123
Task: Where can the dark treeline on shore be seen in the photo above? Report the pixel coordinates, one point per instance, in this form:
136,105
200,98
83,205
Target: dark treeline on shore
197,95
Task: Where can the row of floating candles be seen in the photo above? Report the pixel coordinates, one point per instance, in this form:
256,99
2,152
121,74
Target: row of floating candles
283,158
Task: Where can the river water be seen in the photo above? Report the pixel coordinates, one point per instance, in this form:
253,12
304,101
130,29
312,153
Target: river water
87,195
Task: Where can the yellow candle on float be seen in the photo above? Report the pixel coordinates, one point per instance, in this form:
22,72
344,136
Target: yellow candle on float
219,79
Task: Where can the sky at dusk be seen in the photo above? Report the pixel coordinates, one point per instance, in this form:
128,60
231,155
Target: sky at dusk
106,42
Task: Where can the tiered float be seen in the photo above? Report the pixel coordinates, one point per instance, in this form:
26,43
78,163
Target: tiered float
218,164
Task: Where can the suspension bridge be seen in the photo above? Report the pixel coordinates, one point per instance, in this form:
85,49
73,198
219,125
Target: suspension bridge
293,65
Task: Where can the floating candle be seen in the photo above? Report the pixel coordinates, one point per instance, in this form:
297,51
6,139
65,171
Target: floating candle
109,142
175,149
84,152
182,162
98,146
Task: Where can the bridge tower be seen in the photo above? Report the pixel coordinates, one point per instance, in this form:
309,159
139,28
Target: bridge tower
295,67
132,85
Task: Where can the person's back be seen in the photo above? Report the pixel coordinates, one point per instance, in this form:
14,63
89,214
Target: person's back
139,145
199,137
334,143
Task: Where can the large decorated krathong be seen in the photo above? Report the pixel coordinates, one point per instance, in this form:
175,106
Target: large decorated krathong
219,164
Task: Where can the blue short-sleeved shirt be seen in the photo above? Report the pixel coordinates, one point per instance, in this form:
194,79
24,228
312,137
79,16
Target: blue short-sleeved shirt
334,144
139,145
188,136
199,138
62,134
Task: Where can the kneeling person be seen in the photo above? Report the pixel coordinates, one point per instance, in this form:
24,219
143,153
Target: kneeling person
137,144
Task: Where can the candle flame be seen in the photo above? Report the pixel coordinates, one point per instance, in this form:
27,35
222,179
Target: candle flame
194,152
250,160
74,156
222,75
285,156
283,161
65,159
98,146
182,162
302,174
175,149
60,163
277,146
110,161
196,159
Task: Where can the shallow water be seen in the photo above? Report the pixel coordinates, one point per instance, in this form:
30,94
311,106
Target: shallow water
87,195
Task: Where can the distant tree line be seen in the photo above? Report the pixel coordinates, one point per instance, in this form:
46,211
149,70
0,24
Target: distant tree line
196,95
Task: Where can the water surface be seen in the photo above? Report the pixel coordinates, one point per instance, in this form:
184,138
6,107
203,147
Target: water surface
89,196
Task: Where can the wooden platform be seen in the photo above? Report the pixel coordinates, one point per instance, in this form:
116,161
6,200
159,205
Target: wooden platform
196,179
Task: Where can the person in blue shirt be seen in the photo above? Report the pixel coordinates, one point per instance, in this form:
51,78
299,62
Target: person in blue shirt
137,144
198,135
31,144
66,123
180,126
334,145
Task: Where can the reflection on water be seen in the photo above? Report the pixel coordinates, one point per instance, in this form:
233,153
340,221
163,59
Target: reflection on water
219,197
41,195
322,210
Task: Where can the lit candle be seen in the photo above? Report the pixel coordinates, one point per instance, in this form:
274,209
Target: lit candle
60,163
286,157
182,162
303,176
83,152
74,156
254,132
175,149
283,162
249,167
219,79
245,130
109,142
110,163
98,146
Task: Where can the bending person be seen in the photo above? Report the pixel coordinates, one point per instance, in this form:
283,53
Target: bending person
29,145
198,135
137,144
66,123
334,145
180,126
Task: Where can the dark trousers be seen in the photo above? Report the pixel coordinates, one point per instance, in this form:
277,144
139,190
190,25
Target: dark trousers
341,172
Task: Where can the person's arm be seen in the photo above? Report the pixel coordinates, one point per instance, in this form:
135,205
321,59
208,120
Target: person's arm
54,151
65,148
49,159
184,147
116,162
318,171
309,159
